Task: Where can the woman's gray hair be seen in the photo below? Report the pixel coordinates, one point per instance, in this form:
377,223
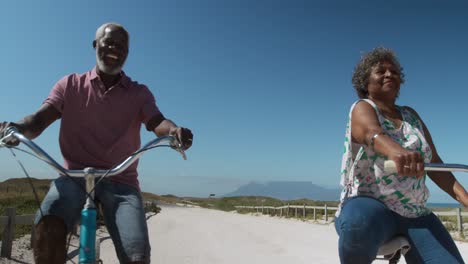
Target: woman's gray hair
363,69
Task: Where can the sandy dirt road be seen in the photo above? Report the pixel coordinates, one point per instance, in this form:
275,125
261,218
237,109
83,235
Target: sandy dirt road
201,236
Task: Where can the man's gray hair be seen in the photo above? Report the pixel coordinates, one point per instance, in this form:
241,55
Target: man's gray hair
100,30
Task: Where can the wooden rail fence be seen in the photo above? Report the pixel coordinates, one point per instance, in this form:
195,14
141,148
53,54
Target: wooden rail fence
290,210
8,222
285,211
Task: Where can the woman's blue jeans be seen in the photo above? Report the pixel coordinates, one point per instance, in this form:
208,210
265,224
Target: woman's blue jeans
365,223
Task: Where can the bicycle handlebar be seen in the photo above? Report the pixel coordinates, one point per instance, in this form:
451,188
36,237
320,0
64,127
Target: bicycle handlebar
390,167
12,132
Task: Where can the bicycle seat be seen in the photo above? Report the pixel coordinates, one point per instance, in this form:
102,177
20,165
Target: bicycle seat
393,249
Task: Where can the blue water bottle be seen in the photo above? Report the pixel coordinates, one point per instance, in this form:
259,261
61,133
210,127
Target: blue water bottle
88,234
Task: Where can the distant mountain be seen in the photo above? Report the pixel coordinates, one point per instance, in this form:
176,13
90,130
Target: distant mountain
287,190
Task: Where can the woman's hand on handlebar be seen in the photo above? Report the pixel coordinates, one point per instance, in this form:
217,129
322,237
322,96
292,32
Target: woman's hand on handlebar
183,135
409,163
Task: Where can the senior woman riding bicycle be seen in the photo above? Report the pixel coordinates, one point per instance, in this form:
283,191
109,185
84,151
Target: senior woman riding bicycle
376,205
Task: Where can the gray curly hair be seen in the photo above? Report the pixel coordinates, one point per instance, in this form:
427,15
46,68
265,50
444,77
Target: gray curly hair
363,69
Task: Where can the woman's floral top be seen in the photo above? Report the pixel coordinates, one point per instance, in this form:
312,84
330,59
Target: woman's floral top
362,171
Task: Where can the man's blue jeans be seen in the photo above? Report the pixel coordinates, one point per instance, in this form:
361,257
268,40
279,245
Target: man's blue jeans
123,210
365,223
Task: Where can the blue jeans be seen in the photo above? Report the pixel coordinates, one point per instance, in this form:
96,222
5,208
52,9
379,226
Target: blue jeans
123,211
365,223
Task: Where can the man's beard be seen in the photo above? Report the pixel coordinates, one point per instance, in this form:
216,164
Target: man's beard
111,70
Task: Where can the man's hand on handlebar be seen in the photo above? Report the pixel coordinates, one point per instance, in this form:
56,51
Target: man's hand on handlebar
11,141
183,135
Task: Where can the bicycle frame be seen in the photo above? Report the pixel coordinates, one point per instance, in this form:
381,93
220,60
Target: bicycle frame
87,253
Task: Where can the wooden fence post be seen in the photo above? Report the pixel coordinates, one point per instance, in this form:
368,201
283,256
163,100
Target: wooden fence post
315,215
33,235
295,211
287,211
326,213
303,212
460,223
8,233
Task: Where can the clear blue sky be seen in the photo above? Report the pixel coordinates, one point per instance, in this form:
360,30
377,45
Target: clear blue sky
265,86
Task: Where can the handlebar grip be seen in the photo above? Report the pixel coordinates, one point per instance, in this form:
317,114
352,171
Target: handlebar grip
390,166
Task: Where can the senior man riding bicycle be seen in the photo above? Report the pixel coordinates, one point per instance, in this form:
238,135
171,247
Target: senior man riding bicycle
101,113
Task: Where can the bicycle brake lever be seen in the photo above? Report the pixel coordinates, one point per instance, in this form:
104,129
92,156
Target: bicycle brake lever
177,146
182,153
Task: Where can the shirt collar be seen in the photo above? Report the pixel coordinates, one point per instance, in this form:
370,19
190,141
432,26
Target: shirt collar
124,80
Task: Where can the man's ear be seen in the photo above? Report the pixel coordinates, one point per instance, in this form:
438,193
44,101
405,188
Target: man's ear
94,43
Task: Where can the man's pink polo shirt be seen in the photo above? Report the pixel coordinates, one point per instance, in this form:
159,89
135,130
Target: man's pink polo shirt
101,128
